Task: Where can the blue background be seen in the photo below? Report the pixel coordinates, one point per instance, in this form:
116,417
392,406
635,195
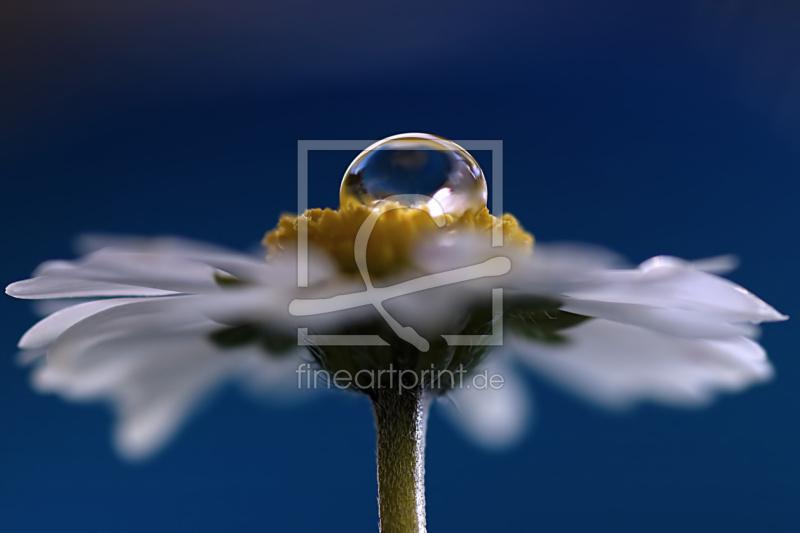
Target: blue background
649,127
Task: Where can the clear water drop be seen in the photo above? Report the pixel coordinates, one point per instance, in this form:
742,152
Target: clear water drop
431,170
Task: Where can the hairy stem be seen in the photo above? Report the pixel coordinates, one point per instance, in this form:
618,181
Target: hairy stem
401,417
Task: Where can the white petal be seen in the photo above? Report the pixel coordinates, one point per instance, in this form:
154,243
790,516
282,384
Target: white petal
617,365
137,318
280,378
143,431
156,402
672,283
58,287
48,329
52,265
678,322
27,357
155,381
719,265
452,250
251,267
45,308
112,272
93,242
157,271
270,305
494,417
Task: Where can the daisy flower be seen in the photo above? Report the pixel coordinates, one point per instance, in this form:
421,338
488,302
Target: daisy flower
411,291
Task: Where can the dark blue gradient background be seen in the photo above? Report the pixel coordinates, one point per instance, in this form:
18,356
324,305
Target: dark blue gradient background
649,127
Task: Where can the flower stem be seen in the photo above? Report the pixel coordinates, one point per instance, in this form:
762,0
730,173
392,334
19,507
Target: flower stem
401,416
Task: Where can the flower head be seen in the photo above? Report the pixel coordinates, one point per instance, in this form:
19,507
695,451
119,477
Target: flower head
153,325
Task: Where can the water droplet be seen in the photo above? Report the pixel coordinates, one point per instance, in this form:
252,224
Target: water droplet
430,170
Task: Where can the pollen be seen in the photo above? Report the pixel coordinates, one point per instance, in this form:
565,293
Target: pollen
391,242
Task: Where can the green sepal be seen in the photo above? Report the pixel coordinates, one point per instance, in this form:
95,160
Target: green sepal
540,320
226,280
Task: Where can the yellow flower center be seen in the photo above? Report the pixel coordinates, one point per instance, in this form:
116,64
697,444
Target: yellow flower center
392,241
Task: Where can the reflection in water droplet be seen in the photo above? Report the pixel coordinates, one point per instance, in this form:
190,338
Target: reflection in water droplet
416,164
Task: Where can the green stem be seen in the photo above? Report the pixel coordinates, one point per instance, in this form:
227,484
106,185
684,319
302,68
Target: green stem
401,417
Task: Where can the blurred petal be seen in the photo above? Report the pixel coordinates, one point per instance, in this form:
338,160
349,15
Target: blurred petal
722,264
617,365
494,417
27,357
92,242
45,308
678,322
48,329
144,317
156,271
154,380
669,282
241,265
549,270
